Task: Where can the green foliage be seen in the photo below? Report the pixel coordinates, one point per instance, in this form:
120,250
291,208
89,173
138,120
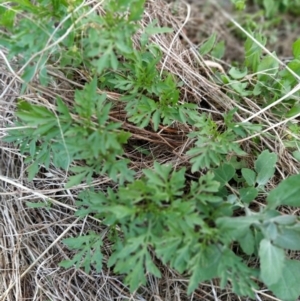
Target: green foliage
260,77
208,227
53,136
208,45
285,193
287,287
265,167
192,230
272,7
211,145
272,261
88,252
30,36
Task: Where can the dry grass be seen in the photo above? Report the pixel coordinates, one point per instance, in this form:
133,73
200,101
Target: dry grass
30,238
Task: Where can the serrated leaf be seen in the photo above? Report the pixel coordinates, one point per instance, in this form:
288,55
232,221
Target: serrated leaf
45,128
75,242
214,158
136,277
32,118
151,267
32,148
156,120
120,211
205,268
75,180
32,169
103,62
207,46
42,111
97,258
286,193
166,249
123,47
153,177
272,261
163,170
181,257
265,167
24,105
88,251
62,108
66,263
114,61
249,176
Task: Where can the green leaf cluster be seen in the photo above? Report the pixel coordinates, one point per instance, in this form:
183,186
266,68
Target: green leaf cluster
271,7
88,252
192,229
211,146
61,136
199,220
157,214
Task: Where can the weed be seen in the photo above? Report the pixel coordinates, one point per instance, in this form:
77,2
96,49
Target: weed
189,225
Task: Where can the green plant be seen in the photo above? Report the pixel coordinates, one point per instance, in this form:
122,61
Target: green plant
53,136
192,229
207,227
272,7
260,76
